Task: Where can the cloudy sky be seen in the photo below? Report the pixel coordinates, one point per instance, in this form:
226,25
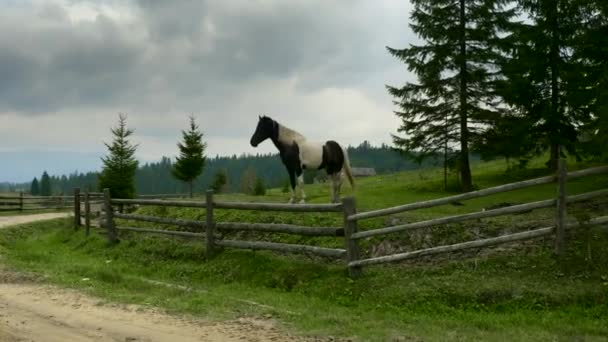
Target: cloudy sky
68,67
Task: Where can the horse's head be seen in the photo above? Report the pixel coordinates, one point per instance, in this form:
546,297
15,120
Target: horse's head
263,131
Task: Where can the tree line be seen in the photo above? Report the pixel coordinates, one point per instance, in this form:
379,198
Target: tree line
510,79
156,177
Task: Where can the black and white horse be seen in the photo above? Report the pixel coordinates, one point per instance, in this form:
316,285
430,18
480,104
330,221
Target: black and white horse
298,154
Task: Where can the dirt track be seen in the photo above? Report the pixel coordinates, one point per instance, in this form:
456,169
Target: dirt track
6,221
34,312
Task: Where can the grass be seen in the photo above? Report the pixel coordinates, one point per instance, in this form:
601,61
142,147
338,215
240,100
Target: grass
519,292
513,295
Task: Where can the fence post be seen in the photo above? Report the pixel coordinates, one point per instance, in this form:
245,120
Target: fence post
560,219
20,200
210,225
77,221
87,213
350,227
109,219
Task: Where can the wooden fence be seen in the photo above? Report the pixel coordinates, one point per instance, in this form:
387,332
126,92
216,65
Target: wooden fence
348,231
355,263
209,228
22,202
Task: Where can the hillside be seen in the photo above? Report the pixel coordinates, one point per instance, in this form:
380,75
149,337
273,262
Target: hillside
518,291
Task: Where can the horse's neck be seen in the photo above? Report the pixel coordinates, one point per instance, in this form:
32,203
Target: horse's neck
288,136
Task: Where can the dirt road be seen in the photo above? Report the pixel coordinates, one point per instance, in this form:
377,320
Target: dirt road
30,311
43,313
6,221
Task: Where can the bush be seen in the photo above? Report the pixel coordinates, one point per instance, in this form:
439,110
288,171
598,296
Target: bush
259,189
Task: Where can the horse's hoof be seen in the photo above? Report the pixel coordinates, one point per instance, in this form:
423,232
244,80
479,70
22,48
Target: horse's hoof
302,201
290,201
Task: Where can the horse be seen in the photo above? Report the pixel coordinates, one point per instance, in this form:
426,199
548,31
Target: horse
299,154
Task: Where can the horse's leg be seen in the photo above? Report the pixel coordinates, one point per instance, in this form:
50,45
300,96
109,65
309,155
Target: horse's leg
338,185
301,187
292,180
334,188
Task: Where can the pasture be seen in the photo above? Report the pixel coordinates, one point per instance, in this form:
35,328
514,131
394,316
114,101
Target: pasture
518,291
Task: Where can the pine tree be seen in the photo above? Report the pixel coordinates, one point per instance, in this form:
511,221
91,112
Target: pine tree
219,181
45,184
454,97
591,58
191,160
542,75
119,167
35,188
259,189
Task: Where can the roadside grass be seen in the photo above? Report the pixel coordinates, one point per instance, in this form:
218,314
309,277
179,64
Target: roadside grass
518,291
523,294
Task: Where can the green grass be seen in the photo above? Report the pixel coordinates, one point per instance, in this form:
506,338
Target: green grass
515,292
512,295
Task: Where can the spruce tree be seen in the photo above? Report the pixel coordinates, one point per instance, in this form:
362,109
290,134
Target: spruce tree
591,59
259,189
542,76
45,184
35,187
191,160
454,97
119,166
219,181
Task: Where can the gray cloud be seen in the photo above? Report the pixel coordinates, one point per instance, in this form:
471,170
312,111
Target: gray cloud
304,61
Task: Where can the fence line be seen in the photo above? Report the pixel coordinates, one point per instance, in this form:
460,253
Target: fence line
351,252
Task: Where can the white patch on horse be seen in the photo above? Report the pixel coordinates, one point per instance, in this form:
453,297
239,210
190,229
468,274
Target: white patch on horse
301,188
288,136
311,154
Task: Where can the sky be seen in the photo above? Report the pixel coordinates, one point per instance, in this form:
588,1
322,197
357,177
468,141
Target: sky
69,67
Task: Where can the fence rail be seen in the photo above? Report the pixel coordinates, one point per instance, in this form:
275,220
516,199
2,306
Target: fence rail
212,231
210,228
24,202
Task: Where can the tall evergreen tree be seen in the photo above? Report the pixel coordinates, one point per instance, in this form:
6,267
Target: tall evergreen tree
191,160
591,58
45,185
219,181
454,97
35,187
118,171
542,76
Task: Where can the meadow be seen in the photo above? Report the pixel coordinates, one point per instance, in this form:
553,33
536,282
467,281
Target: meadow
519,291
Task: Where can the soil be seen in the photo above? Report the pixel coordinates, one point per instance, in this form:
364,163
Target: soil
31,311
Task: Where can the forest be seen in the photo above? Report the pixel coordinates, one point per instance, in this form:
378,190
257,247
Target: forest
156,178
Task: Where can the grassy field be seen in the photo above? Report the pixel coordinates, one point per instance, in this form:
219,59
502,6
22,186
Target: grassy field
515,292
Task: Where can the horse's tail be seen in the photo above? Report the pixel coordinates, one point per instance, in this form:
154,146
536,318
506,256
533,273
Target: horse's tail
347,169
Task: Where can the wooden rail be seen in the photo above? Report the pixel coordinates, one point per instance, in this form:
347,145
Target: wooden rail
279,207
349,231
284,247
27,203
478,215
161,203
163,220
211,227
281,228
190,235
471,244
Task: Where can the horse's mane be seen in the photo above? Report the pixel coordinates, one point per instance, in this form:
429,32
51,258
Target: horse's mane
288,135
